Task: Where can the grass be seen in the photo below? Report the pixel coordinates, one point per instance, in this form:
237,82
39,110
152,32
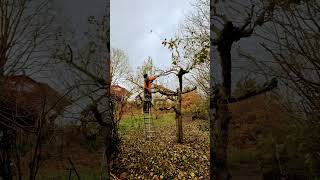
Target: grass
133,123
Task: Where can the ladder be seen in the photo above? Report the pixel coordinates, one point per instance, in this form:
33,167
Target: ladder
149,130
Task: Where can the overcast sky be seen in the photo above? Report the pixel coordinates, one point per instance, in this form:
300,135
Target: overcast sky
132,22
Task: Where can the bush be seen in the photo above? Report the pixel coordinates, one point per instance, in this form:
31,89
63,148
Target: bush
194,104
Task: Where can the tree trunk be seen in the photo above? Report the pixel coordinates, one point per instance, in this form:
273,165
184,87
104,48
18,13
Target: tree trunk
219,138
179,119
221,133
5,147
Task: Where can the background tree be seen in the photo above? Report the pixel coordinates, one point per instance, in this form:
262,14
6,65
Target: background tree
91,65
25,38
119,66
25,33
227,28
194,35
292,41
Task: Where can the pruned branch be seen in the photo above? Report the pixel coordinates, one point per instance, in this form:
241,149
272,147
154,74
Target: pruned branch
189,90
268,87
166,92
167,72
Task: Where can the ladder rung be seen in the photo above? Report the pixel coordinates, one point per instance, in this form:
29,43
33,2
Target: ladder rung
150,132
151,127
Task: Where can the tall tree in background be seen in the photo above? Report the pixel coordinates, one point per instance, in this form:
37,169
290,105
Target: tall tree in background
147,67
92,67
25,33
195,38
293,41
226,28
119,66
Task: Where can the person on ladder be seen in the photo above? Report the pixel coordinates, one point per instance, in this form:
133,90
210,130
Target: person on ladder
148,92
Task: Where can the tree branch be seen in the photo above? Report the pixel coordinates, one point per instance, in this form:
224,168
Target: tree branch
268,87
189,90
168,109
99,80
166,93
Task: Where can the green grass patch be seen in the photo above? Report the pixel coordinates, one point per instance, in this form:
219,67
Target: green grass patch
129,123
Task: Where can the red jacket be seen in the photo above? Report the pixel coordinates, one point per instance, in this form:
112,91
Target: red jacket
147,85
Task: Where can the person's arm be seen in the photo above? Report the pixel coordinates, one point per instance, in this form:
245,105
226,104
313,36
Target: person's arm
152,78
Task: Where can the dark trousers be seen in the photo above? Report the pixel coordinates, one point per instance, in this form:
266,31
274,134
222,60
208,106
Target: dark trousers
146,106
147,102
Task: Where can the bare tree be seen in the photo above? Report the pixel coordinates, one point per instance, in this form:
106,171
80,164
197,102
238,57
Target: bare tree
195,38
226,28
119,66
292,40
92,64
25,33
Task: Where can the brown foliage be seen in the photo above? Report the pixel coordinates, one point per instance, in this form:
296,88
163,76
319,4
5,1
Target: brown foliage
190,100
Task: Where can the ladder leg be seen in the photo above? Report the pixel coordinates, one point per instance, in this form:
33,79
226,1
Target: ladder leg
148,121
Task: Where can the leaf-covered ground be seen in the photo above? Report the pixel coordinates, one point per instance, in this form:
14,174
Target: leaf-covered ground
163,158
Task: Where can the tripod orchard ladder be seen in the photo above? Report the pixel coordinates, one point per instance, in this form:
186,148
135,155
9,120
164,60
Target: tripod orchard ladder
149,130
